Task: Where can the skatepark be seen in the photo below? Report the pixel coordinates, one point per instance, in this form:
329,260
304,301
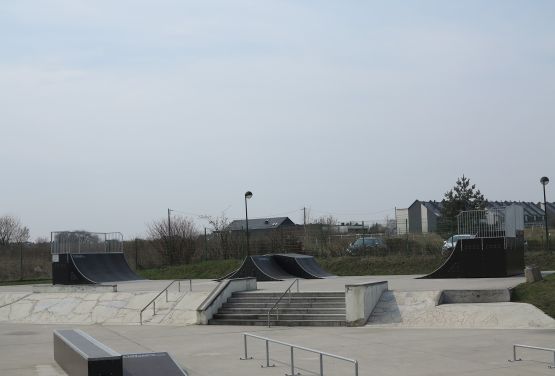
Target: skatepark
407,334
386,325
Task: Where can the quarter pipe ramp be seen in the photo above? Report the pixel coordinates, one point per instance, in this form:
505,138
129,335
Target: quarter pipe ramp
482,258
82,268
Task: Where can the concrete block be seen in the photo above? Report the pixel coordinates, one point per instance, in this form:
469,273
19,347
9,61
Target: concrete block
532,274
360,300
474,296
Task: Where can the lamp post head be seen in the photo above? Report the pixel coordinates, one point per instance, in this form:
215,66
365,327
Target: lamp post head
248,194
544,180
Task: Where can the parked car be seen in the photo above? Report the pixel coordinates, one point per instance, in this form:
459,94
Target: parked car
451,243
365,244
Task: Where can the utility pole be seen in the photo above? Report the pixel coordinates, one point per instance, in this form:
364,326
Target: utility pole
169,231
304,226
169,224
205,245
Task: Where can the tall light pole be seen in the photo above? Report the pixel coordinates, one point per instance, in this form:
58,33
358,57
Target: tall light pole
545,180
248,195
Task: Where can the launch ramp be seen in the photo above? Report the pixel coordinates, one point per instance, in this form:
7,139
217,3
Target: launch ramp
496,251
279,267
80,257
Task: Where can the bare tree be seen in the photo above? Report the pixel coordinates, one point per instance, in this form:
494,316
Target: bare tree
12,230
175,243
219,226
42,240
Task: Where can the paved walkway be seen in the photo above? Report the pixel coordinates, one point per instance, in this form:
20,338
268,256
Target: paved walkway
26,350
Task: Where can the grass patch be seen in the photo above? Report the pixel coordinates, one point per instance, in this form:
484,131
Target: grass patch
376,265
541,294
372,265
204,269
544,261
25,282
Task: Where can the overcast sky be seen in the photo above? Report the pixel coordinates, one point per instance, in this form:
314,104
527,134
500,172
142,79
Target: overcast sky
113,111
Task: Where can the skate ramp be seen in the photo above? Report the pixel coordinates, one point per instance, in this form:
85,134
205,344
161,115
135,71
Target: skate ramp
148,364
277,267
482,258
78,353
263,268
107,308
301,266
420,309
92,268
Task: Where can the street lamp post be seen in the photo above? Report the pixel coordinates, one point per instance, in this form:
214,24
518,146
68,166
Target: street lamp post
248,195
545,180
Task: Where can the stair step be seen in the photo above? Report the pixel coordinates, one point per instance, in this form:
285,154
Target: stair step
337,294
292,316
267,299
278,322
284,310
297,309
286,304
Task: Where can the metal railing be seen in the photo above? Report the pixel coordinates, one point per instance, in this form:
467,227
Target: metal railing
275,306
153,301
62,242
292,347
532,348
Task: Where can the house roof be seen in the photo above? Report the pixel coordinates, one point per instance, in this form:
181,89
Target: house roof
260,223
530,208
434,206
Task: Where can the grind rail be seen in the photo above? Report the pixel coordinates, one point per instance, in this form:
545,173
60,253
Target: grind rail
292,347
515,359
153,301
275,306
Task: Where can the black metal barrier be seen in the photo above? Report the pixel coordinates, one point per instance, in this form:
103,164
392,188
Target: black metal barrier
81,355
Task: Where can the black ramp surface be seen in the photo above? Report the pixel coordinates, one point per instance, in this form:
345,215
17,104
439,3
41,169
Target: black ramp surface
104,267
269,266
481,258
301,266
151,364
263,268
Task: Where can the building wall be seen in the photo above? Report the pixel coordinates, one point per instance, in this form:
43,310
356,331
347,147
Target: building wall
401,219
415,218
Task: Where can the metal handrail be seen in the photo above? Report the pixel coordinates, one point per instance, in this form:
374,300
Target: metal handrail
279,300
532,348
153,301
291,346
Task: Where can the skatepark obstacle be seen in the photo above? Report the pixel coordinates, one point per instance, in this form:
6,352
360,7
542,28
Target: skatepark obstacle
80,354
80,257
496,251
277,267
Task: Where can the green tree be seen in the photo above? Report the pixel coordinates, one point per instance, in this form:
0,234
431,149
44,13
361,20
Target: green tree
463,196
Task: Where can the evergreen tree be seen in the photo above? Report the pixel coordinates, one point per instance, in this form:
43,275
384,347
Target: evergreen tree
463,196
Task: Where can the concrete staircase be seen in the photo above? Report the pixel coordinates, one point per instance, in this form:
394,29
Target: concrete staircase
305,309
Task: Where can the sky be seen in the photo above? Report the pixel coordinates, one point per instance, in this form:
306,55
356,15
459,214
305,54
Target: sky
111,112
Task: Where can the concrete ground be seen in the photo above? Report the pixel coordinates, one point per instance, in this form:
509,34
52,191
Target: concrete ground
26,349
390,349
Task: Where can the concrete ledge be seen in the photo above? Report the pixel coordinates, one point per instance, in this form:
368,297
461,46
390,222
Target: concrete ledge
474,296
74,288
360,300
219,296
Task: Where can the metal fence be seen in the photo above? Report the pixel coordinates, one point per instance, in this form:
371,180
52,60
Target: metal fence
482,223
62,242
